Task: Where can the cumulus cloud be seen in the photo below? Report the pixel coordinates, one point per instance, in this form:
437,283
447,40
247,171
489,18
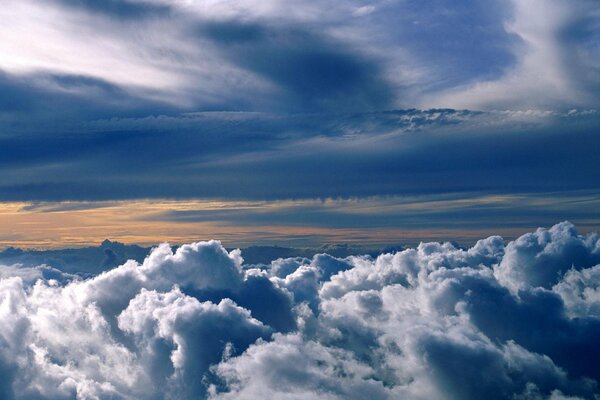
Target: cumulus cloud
540,259
503,321
580,291
128,333
30,275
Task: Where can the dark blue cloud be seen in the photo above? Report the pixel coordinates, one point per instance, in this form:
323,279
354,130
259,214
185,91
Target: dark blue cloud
460,41
303,156
313,71
119,8
48,102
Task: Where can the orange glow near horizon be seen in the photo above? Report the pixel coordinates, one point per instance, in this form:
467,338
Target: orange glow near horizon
143,222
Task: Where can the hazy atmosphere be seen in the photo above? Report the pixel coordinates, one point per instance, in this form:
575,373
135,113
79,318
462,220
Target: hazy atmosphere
235,199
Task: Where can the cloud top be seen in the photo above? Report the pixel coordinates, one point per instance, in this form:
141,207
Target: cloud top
493,321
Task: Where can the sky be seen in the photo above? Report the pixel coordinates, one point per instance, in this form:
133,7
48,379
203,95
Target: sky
429,170
300,124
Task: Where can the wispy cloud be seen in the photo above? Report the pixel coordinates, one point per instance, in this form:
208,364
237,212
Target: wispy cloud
209,55
553,67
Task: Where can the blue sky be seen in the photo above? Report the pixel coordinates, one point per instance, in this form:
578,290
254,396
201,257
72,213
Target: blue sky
128,100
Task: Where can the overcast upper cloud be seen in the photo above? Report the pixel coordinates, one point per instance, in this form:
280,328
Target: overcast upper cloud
199,55
514,321
130,99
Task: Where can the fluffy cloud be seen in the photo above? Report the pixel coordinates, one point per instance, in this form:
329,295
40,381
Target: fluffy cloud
540,259
175,330
580,291
291,368
30,275
509,322
127,333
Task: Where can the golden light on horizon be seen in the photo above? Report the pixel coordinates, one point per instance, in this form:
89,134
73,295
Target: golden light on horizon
243,223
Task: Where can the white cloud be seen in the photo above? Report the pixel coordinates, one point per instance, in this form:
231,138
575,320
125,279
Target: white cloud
431,322
40,37
164,56
75,340
30,275
149,58
580,291
192,335
363,10
553,66
540,259
291,368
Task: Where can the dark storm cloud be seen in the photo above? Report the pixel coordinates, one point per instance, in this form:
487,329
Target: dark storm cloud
434,321
514,159
313,72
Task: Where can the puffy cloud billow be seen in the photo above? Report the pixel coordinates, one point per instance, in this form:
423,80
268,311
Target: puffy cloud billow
496,321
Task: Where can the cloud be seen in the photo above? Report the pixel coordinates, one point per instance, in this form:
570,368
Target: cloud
315,73
74,339
291,368
210,155
540,259
580,292
30,275
120,9
554,60
165,56
177,329
363,10
194,63
434,321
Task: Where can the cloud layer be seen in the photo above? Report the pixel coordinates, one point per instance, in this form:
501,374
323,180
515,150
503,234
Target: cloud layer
515,321
273,156
230,100
199,55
